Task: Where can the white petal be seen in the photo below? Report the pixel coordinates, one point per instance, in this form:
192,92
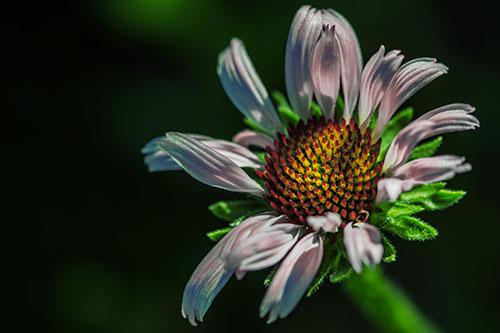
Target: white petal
157,160
245,89
328,223
304,33
350,59
293,277
206,165
325,71
420,171
247,138
449,118
375,78
409,79
362,244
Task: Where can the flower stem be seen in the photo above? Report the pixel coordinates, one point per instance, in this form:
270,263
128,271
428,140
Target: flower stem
385,304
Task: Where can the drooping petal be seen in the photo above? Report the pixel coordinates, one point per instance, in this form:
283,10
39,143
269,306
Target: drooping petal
245,89
351,62
212,273
263,246
157,160
375,78
206,165
420,171
325,70
247,138
362,244
293,277
409,78
325,223
449,118
304,33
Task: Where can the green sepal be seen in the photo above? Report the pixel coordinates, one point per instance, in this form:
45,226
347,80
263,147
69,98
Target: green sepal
316,110
254,126
231,210
343,271
389,250
396,124
331,258
410,228
389,210
216,235
287,115
427,149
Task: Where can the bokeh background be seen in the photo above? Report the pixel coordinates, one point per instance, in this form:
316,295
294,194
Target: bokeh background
101,245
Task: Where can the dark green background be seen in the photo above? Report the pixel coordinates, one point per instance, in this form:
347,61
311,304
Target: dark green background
101,245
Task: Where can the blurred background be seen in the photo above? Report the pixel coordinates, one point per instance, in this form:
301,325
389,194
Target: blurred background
101,245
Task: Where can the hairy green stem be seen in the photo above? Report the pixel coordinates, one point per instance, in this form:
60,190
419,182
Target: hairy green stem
385,304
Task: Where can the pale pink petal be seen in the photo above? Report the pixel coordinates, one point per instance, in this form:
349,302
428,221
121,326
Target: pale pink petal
420,171
409,78
245,89
206,165
375,78
449,118
362,244
304,33
325,71
263,246
157,160
351,62
325,223
212,273
249,138
293,277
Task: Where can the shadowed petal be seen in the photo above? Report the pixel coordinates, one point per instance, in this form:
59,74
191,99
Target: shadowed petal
212,273
247,138
409,79
420,171
362,244
327,223
206,165
245,89
351,62
449,118
304,33
157,160
293,277
325,71
375,78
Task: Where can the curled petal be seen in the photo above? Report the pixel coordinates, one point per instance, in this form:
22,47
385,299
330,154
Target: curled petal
420,171
362,244
409,79
449,118
304,32
207,165
157,160
245,89
327,223
212,273
247,138
293,277
325,71
375,78
351,62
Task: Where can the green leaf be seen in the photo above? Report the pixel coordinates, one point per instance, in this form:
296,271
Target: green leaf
418,194
396,124
342,272
331,258
216,235
231,210
410,228
389,250
427,149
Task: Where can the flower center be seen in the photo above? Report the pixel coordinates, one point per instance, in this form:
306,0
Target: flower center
320,167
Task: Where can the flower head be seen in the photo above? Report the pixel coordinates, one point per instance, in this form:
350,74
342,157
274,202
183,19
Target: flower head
325,178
